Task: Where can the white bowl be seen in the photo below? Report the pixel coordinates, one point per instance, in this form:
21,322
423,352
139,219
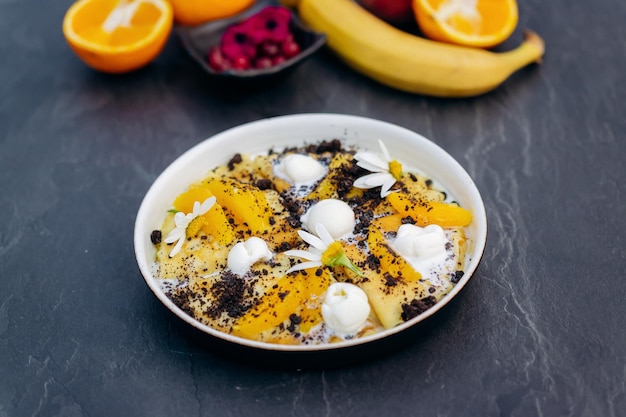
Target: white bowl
295,130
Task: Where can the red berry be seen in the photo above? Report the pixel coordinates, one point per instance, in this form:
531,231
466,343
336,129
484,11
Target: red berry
277,60
263,62
240,63
290,49
269,48
217,61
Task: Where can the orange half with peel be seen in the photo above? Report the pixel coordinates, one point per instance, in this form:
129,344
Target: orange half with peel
477,23
118,36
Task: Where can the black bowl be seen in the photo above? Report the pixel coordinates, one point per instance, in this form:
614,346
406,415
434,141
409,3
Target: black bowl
198,40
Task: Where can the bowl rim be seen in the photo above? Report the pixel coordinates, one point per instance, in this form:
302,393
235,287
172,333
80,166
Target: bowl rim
142,230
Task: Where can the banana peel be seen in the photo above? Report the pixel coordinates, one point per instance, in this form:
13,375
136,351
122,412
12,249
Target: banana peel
411,63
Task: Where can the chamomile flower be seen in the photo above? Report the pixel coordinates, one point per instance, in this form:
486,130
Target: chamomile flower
323,250
385,171
182,222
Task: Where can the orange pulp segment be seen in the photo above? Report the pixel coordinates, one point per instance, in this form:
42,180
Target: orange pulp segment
118,36
478,23
430,212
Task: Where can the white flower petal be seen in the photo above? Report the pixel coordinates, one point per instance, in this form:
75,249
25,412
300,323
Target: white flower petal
384,191
205,206
180,219
385,152
177,248
372,180
173,236
312,240
196,207
371,162
371,168
323,234
304,265
309,256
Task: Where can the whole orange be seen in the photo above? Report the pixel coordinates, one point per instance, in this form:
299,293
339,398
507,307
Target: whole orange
194,12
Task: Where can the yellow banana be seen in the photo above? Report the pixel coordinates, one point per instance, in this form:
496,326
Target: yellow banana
408,62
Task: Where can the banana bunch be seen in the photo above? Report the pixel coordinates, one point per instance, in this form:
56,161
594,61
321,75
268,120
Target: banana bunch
408,62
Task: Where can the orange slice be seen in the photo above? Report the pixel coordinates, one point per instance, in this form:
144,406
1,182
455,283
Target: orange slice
194,12
478,23
118,36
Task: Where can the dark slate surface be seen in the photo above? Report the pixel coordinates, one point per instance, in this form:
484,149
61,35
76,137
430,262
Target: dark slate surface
538,332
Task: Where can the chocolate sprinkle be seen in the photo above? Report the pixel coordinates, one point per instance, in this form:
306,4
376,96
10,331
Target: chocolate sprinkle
264,184
417,307
233,296
456,276
236,159
389,280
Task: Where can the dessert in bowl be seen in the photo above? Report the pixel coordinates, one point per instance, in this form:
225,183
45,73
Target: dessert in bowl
329,232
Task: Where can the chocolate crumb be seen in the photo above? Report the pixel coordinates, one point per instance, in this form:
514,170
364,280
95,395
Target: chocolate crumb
372,262
417,307
236,159
456,276
232,294
325,146
407,220
264,184
295,319
389,280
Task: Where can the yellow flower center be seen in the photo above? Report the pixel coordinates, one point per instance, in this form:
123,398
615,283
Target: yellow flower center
332,253
334,256
195,225
395,169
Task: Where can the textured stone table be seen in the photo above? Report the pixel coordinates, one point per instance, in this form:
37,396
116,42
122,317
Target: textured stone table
539,331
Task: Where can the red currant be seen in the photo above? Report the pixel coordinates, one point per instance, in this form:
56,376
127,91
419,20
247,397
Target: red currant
241,63
217,61
263,62
290,49
269,48
277,60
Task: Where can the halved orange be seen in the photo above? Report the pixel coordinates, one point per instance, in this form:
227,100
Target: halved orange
194,12
118,36
478,23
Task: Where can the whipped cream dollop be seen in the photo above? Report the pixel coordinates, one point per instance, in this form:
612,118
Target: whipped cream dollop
345,309
335,215
423,247
245,254
301,169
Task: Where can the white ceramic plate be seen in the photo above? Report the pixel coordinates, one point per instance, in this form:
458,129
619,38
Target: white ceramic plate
287,131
